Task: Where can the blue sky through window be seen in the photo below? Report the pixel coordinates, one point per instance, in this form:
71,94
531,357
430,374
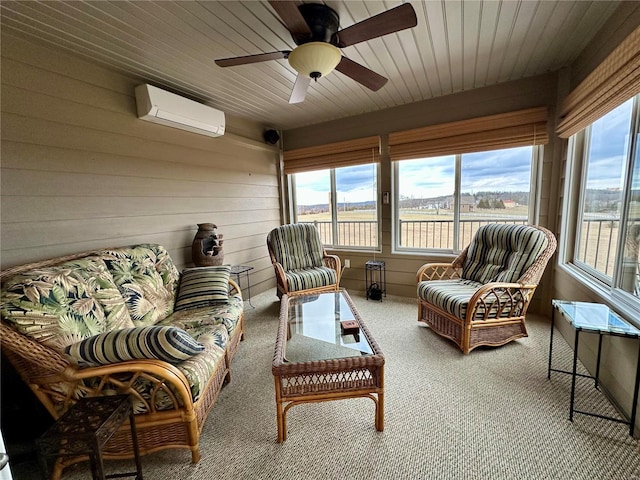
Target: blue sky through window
499,170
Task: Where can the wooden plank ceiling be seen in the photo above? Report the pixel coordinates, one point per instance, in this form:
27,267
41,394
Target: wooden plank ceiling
456,46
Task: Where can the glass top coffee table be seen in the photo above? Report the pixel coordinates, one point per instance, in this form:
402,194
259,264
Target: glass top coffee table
316,360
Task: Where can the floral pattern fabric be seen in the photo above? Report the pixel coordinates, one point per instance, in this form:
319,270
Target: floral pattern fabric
199,368
116,289
136,273
197,320
64,304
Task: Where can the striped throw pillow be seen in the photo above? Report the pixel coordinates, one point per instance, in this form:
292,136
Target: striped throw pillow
203,287
170,344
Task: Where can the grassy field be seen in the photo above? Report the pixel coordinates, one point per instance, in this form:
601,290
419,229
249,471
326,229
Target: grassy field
417,214
598,246
434,230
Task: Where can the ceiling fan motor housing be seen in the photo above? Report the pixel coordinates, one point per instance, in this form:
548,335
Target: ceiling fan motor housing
323,22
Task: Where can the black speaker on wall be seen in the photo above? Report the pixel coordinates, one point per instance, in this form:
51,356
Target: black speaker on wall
271,137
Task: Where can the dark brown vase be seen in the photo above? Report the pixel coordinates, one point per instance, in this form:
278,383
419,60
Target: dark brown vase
206,249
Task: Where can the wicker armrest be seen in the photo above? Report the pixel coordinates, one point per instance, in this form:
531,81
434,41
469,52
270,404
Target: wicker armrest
281,279
332,261
165,378
438,271
497,300
234,289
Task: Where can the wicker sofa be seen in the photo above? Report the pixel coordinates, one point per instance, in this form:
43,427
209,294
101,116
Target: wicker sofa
482,297
124,320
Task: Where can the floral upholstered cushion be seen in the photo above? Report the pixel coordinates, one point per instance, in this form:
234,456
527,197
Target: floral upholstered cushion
198,320
199,368
145,279
169,344
202,287
64,304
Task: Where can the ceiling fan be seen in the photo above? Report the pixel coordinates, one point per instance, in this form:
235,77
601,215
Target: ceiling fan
314,27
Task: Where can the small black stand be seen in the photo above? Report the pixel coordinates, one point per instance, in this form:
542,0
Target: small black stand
84,429
375,279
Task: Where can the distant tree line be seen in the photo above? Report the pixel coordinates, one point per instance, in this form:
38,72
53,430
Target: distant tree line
483,199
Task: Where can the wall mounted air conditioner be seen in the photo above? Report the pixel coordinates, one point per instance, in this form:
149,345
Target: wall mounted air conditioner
160,106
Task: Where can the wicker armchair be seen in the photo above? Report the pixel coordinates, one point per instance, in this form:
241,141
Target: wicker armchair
301,264
481,298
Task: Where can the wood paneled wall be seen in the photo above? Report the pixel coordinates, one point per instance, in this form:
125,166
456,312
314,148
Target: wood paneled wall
81,171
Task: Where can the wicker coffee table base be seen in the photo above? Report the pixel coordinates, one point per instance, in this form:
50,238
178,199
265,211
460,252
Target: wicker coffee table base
315,381
283,406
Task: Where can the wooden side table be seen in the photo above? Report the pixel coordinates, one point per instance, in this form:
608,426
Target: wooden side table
84,430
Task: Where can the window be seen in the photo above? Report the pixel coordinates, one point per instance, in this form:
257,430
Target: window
341,202
608,211
442,201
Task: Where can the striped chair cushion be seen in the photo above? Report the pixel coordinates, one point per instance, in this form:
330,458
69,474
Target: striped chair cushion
453,297
449,295
297,246
202,287
502,253
310,278
162,343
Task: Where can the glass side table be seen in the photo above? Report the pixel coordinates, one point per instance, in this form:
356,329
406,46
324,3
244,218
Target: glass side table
84,429
599,319
238,270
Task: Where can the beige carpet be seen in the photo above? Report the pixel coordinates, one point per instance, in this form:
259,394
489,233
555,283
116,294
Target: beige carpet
489,415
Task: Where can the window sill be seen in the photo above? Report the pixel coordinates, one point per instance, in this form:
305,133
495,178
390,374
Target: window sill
625,306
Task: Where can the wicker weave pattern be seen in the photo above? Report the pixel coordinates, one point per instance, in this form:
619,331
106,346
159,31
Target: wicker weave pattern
496,312
321,380
166,415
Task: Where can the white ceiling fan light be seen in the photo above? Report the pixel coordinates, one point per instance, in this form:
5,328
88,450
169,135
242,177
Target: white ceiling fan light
315,59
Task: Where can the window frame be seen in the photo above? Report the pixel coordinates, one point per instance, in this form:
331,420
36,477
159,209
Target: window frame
291,182
606,289
535,184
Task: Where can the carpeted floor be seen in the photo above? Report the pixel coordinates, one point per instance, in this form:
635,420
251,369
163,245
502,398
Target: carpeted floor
491,414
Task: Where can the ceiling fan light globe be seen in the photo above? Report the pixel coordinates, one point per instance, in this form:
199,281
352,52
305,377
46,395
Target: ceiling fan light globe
315,59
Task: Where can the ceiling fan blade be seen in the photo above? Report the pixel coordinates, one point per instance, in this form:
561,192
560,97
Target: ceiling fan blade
361,74
299,89
260,57
394,20
292,18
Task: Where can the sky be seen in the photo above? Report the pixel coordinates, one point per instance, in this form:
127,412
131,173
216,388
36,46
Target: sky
608,148
499,170
424,178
